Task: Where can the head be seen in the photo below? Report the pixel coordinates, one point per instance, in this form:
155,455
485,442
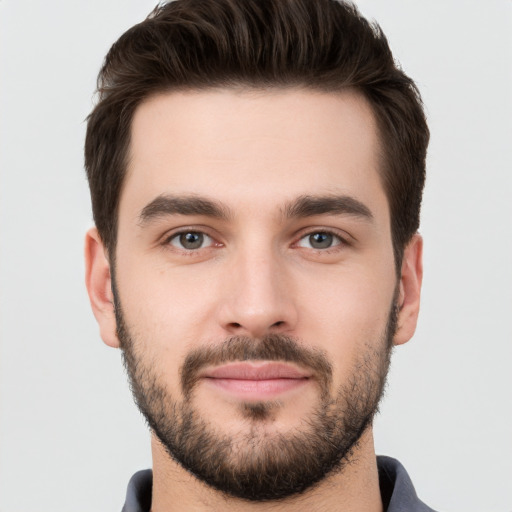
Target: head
256,171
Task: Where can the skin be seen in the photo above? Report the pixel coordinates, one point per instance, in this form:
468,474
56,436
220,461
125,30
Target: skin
255,153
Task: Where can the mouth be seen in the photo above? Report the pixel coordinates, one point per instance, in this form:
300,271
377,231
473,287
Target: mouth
256,380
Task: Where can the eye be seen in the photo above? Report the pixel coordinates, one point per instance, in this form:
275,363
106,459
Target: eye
190,240
319,240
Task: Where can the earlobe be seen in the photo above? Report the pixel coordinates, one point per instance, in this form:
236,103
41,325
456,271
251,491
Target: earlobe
409,290
99,287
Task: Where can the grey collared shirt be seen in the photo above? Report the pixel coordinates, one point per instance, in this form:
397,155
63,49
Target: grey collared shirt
397,491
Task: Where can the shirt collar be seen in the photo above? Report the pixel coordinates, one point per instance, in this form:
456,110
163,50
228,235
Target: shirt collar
397,491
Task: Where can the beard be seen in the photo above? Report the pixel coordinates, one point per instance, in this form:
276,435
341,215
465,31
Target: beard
255,464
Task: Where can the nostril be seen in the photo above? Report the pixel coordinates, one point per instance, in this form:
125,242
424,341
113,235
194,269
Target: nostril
278,324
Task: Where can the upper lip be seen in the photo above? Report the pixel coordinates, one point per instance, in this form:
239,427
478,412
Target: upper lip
260,370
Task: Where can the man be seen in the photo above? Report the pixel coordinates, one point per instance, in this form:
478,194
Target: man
256,171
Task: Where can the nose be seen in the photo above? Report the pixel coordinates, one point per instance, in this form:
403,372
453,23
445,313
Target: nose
258,295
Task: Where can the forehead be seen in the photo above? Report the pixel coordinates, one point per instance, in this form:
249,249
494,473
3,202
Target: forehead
263,147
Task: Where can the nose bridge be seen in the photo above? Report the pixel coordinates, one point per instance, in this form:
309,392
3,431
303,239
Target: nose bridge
259,300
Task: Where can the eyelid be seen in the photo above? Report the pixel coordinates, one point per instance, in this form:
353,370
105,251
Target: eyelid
208,240
165,239
343,237
336,240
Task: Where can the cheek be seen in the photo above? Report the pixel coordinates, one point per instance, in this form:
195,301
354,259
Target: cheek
346,317
171,311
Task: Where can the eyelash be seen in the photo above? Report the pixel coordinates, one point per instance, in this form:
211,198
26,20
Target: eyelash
175,236
340,240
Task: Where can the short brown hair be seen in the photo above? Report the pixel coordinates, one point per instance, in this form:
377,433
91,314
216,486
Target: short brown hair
322,45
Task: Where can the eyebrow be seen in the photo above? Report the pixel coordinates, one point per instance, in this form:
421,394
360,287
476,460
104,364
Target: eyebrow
302,207
164,205
309,206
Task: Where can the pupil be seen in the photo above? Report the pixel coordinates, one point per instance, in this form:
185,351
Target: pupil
320,240
191,240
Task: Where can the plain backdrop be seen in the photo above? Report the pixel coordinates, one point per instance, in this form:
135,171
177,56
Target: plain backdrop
70,436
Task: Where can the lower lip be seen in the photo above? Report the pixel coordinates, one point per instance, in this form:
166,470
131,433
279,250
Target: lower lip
257,389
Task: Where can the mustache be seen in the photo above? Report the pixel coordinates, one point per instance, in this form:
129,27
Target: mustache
272,347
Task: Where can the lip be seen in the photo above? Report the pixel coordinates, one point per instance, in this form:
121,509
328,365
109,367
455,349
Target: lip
256,380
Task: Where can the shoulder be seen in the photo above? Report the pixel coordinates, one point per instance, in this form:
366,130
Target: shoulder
397,491
138,494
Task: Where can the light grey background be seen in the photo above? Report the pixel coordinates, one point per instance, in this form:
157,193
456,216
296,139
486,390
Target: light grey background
70,436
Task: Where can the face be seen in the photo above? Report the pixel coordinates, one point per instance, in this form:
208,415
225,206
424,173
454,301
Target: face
255,288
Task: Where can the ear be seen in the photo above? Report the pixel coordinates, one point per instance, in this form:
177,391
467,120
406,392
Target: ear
409,290
99,287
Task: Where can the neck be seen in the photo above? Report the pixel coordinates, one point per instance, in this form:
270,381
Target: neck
355,488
